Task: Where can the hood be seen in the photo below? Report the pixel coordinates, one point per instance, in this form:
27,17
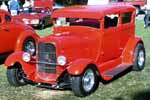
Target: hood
68,43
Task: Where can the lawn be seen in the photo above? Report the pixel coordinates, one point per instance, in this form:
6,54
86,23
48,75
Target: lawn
131,86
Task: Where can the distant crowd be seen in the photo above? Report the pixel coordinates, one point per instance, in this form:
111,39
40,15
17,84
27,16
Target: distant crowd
13,6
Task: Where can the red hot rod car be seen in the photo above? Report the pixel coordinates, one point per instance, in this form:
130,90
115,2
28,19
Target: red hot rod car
35,17
89,44
15,36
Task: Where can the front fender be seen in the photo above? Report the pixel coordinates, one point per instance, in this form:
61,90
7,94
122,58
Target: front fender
77,67
16,57
23,36
128,53
13,58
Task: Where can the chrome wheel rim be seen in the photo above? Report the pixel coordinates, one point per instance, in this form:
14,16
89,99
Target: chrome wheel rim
88,80
19,74
29,47
141,58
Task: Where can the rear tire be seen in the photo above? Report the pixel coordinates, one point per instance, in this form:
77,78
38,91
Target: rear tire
15,76
85,84
139,58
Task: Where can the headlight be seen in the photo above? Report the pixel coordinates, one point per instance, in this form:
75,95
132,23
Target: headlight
26,57
29,46
34,21
61,60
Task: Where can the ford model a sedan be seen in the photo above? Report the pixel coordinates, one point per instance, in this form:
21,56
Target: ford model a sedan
89,44
15,36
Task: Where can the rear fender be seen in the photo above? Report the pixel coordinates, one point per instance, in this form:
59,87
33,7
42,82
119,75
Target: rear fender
23,36
128,53
77,67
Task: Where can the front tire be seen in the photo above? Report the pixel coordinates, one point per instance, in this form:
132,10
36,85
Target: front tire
139,58
15,76
85,84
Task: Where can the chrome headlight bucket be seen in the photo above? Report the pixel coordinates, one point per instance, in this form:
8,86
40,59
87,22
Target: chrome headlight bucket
29,46
61,60
26,57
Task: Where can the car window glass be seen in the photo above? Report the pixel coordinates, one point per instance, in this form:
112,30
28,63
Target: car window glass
126,17
94,23
7,18
111,21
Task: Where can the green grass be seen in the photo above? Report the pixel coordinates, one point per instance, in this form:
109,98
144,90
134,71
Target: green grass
132,86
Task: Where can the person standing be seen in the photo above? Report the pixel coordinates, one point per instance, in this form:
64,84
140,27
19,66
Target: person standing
147,14
14,7
4,6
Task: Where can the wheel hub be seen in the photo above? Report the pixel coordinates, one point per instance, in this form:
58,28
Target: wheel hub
141,58
88,80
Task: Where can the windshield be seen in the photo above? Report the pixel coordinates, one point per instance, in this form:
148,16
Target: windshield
94,23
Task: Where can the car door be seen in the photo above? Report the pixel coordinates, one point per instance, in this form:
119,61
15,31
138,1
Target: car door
6,34
127,28
110,38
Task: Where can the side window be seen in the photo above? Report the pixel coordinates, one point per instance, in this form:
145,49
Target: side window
111,21
126,17
7,18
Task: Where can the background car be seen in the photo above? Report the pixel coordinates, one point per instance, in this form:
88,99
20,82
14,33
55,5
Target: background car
11,35
36,17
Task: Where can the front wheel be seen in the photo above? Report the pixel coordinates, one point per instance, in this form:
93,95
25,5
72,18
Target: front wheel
139,58
85,84
15,76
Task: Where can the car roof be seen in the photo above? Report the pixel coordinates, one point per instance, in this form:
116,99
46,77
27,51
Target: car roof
91,11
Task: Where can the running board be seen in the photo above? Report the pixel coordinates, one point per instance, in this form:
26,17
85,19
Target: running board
120,68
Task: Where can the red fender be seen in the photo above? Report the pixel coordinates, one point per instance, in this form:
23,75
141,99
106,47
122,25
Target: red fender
16,57
128,53
13,58
77,67
23,36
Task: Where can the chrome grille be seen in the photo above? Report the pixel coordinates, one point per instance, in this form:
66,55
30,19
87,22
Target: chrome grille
46,58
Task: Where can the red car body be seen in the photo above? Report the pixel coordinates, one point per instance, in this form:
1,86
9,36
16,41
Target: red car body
35,17
139,4
13,33
88,43
131,2
44,3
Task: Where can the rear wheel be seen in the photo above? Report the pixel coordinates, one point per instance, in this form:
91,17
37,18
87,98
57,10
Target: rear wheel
137,10
15,76
139,58
85,84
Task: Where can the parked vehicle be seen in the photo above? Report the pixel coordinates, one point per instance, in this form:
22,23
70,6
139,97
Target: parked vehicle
15,36
44,3
139,4
89,44
35,17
